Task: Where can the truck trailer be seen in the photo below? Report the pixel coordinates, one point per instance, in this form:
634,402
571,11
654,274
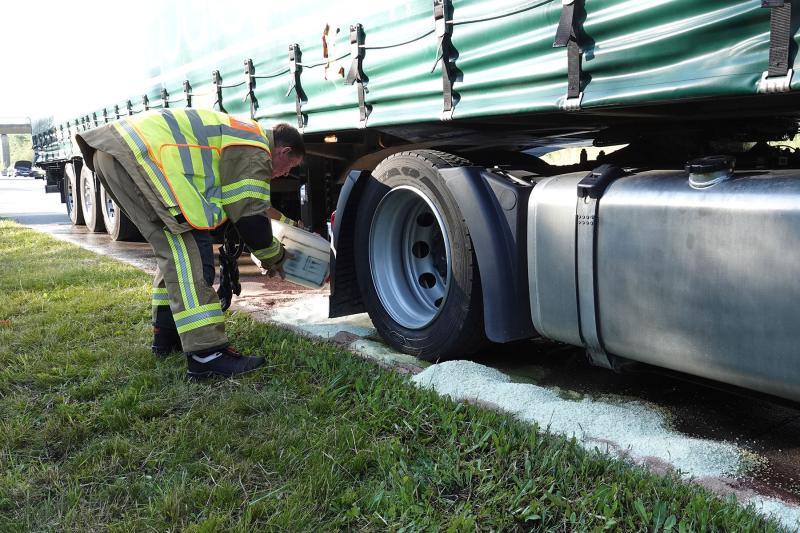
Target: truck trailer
421,118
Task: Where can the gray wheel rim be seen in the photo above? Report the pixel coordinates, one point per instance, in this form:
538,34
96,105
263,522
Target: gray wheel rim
88,196
110,208
70,195
410,257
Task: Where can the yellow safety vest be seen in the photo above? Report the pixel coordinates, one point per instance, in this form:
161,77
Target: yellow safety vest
179,150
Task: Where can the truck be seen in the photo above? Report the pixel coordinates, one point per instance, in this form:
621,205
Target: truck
422,120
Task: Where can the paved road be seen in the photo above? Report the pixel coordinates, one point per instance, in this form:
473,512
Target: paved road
768,428
24,200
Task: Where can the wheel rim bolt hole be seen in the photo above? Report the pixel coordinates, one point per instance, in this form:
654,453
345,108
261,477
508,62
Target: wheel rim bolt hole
427,280
425,219
420,249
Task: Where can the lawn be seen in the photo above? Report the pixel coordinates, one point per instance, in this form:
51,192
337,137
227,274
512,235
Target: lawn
98,435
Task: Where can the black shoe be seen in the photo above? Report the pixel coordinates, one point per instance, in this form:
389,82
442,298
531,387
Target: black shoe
224,362
165,342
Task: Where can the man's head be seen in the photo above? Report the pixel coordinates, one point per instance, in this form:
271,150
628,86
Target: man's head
289,149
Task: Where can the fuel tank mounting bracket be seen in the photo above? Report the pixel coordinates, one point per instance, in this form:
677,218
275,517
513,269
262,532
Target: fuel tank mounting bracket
590,190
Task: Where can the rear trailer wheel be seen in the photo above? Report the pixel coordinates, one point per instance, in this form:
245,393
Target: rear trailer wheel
414,259
74,209
90,201
117,223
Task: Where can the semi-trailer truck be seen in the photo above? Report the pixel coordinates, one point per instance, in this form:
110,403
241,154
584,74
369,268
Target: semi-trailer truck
679,250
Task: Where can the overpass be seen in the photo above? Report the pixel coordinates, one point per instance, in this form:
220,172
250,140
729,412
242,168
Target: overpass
11,126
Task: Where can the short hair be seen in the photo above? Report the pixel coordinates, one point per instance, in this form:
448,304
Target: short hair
286,135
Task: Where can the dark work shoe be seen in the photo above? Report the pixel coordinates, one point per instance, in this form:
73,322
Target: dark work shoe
165,342
224,362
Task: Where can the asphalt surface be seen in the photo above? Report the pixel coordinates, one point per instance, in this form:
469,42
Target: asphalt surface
767,427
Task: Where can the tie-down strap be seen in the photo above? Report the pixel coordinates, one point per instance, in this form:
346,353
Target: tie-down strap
778,77
356,74
567,36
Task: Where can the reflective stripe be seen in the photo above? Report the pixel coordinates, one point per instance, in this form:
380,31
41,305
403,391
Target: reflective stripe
180,138
160,297
270,252
203,315
246,194
247,181
199,130
286,220
185,253
181,264
241,134
139,149
246,188
200,316
197,310
200,323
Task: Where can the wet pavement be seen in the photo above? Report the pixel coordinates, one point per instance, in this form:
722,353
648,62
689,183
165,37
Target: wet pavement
768,428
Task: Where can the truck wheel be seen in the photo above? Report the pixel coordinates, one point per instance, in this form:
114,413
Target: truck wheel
74,209
415,264
117,223
90,201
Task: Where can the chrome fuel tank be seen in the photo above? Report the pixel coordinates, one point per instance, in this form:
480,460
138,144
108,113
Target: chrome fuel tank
699,281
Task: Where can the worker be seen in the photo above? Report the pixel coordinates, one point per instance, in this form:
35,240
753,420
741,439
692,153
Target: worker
178,174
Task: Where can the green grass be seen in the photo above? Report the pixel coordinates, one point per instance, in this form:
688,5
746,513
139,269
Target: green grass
96,435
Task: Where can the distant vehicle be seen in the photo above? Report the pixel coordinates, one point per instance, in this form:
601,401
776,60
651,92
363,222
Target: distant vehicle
22,168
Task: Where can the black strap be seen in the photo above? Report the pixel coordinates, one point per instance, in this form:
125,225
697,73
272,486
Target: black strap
216,79
590,190
250,73
229,253
565,29
566,36
442,11
780,37
356,74
296,69
187,91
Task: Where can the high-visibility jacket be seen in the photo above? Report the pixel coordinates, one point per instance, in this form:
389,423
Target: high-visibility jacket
179,150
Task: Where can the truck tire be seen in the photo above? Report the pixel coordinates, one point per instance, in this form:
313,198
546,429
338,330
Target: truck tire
117,223
73,199
90,201
415,263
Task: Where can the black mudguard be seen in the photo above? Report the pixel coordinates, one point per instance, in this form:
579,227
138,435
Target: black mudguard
345,296
495,211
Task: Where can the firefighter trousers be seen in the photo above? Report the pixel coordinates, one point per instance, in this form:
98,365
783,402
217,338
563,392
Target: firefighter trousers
183,297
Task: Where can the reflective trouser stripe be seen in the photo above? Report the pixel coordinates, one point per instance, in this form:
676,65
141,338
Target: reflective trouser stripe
194,315
198,317
160,296
181,258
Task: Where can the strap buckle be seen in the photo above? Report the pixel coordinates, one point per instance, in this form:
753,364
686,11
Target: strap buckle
572,104
775,84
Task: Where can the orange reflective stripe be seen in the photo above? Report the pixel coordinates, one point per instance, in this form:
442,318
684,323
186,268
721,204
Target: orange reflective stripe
244,126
